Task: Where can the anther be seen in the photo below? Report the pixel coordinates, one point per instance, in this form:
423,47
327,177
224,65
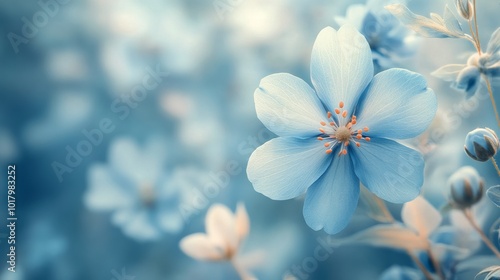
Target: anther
328,152
327,145
360,131
337,111
341,104
367,139
357,144
329,115
322,130
323,123
344,151
366,128
359,136
320,138
344,114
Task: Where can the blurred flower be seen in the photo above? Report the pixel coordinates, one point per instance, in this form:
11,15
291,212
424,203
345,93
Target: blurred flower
464,8
387,37
492,273
225,234
134,187
494,195
467,77
481,144
465,187
435,27
329,163
396,272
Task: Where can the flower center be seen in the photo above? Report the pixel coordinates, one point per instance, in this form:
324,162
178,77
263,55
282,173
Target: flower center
335,134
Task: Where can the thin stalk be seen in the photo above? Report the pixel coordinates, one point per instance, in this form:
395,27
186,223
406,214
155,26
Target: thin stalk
492,98
244,275
485,239
496,165
435,263
477,29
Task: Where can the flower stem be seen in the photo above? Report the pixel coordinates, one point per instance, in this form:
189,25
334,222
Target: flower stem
496,165
492,98
477,29
435,263
473,223
244,275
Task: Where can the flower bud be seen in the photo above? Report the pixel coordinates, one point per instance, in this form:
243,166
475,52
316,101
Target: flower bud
481,144
466,187
464,8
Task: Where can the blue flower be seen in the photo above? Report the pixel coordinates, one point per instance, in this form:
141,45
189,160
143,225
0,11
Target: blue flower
144,202
396,272
340,134
467,77
389,40
466,187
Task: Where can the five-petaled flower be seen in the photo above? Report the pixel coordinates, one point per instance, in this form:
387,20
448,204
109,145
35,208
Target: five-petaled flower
340,134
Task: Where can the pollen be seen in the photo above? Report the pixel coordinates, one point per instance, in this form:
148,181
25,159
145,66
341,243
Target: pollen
341,132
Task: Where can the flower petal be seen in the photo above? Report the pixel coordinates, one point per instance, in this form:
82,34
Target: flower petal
390,170
494,44
448,72
388,236
468,80
105,193
421,216
494,195
288,106
341,66
397,105
332,199
221,227
284,167
242,222
200,247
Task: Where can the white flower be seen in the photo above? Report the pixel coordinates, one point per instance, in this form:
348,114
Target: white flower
225,233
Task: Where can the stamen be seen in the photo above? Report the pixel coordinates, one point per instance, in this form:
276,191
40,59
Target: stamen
337,111
344,114
367,139
359,136
341,104
327,145
346,143
320,138
366,128
329,115
332,124
359,131
349,125
344,151
323,123
322,130
329,151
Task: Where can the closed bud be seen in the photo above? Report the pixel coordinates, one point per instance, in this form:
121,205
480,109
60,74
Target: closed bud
481,144
464,8
466,187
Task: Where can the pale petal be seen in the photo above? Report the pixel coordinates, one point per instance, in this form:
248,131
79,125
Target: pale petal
200,247
288,106
494,43
389,236
242,222
449,72
494,195
221,227
283,168
421,216
341,66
